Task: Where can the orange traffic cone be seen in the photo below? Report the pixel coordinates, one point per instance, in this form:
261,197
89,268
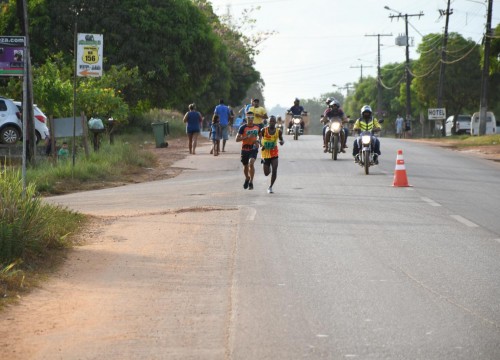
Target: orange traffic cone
400,178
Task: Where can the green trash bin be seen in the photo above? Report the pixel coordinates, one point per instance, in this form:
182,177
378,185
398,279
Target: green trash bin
159,131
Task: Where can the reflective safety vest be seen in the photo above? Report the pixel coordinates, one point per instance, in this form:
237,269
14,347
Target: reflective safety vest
369,125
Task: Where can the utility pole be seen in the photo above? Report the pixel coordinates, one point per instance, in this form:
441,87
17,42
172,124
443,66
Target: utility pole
28,116
379,75
407,67
483,107
442,66
360,66
346,87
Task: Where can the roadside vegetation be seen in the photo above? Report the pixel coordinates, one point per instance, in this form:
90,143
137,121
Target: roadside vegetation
34,235
464,141
31,234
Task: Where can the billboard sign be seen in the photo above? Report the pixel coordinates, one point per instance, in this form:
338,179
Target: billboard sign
12,55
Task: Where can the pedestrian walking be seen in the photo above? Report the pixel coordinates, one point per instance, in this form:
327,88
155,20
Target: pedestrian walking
193,120
399,126
224,117
215,134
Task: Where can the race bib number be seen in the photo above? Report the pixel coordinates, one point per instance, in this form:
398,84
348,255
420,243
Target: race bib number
268,145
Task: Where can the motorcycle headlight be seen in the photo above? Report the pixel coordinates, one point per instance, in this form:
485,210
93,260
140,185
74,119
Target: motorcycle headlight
335,126
366,139
296,121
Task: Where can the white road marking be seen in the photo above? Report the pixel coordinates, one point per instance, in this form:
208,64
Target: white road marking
464,221
430,201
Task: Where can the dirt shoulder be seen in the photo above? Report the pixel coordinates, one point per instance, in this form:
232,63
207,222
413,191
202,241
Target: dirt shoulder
489,152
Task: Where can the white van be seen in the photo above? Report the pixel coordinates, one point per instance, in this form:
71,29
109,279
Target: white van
492,125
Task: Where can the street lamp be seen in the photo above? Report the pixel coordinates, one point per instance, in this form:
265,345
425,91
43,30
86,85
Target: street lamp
388,8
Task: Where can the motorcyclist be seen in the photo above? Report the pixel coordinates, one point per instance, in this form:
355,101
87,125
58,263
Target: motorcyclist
279,123
366,123
333,110
296,109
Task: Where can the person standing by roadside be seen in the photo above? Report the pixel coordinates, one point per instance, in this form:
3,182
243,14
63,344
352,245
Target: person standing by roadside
63,153
399,126
248,134
259,113
193,120
270,136
224,116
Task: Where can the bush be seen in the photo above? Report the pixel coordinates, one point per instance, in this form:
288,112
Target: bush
28,227
176,125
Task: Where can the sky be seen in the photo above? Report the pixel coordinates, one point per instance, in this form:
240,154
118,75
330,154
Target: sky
321,46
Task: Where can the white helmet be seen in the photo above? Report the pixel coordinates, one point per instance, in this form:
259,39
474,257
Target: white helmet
366,108
334,102
328,101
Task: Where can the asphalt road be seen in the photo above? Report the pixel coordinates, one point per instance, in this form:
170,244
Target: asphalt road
335,264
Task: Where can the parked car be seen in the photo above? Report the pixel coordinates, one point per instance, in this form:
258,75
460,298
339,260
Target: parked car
492,125
11,125
462,125
41,128
10,122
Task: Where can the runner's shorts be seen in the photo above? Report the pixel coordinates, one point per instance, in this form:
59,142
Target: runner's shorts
246,155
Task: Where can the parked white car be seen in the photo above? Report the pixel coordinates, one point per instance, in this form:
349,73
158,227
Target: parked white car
492,125
11,125
41,121
10,121
462,125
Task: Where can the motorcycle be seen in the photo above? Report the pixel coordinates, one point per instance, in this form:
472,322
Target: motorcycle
366,153
280,125
296,129
335,132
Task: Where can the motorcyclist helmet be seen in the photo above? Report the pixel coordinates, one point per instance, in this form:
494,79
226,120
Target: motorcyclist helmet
366,109
334,102
272,117
296,101
328,101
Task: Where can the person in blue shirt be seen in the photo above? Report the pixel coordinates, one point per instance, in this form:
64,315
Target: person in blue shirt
193,120
224,116
297,109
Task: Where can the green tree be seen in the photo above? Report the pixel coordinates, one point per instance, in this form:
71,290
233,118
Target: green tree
233,79
461,89
171,42
51,91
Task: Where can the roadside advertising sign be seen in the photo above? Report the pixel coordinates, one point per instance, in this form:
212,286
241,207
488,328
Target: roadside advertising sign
89,55
436,114
12,55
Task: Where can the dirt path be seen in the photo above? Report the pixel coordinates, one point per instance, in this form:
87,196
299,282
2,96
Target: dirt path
146,287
